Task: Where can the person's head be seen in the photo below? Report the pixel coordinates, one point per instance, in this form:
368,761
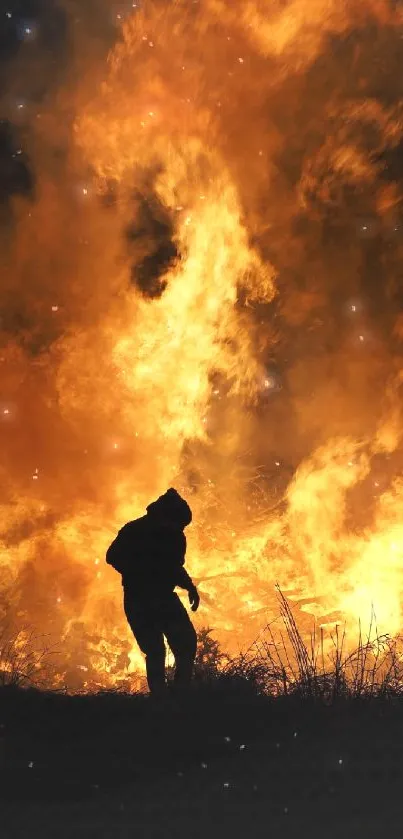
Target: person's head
171,509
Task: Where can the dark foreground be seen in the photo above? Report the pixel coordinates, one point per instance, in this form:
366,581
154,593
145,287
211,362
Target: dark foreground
220,764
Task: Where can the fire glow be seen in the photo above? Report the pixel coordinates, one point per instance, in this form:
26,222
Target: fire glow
229,156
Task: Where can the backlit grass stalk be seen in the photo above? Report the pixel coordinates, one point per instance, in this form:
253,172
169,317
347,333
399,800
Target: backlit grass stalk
289,664
24,659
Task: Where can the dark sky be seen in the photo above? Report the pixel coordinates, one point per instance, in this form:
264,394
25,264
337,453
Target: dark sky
38,39
32,33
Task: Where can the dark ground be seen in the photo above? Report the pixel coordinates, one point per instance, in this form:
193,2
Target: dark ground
220,764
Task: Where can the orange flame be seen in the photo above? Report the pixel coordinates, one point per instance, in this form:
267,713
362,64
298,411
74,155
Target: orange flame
162,296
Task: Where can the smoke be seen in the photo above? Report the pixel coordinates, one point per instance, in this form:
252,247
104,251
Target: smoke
200,286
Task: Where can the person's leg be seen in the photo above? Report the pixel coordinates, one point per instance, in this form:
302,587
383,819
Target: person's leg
149,636
182,639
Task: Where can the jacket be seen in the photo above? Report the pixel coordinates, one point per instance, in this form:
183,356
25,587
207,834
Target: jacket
150,556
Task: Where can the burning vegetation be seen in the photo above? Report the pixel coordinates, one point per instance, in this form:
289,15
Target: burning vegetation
203,289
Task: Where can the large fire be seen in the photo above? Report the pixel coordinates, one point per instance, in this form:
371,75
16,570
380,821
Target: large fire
205,293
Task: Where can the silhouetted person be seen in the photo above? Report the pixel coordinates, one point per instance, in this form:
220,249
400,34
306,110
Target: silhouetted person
150,553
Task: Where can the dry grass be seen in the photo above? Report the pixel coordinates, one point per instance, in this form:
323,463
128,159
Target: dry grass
281,662
284,663
25,659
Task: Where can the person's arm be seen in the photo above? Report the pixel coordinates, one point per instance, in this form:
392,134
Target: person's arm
183,580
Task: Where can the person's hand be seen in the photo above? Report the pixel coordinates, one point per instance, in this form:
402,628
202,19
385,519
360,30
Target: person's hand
194,599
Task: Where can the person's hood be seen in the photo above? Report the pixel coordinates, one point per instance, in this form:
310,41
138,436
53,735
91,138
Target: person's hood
173,507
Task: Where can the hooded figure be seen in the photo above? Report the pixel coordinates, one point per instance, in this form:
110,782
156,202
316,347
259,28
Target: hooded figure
149,553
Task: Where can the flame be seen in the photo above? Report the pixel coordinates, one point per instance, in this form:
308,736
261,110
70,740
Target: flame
177,324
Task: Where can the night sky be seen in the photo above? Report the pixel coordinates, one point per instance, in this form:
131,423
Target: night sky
38,41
